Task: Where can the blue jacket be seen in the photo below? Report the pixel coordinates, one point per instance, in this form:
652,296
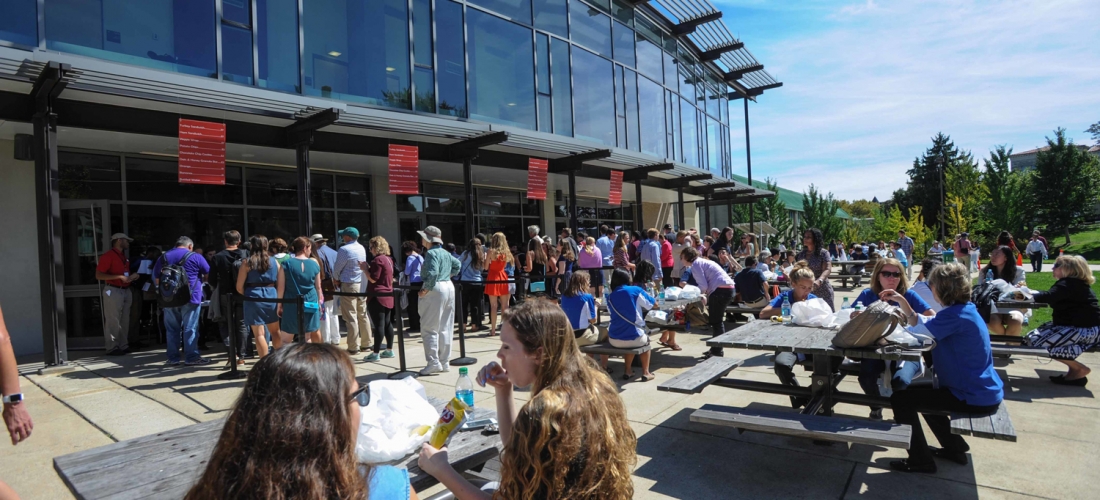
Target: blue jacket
963,358
628,307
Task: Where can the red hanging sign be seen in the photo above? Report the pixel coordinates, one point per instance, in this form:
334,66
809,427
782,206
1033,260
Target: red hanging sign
202,152
615,197
536,178
404,169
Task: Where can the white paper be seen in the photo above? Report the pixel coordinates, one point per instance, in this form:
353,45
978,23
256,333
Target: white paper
146,267
146,287
108,292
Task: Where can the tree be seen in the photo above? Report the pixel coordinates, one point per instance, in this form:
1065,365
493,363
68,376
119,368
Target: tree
1066,184
1094,129
774,211
1008,205
860,209
820,211
924,185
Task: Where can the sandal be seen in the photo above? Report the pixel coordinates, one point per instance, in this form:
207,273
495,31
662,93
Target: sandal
648,377
674,347
628,376
661,342
608,370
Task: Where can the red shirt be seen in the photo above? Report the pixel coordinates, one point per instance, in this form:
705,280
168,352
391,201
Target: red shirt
667,259
114,262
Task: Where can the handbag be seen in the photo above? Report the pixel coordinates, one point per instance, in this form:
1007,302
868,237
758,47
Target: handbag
328,283
870,327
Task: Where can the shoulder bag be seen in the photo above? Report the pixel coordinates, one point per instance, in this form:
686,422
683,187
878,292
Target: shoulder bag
870,328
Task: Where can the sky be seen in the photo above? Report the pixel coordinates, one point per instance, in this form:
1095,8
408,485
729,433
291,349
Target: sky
867,84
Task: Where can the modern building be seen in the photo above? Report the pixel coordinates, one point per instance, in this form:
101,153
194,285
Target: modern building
313,92
1025,160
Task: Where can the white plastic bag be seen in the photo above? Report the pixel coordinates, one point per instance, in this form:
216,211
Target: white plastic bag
655,316
813,312
388,425
690,292
673,293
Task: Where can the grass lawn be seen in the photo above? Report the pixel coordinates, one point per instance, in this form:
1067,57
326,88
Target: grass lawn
1086,243
1043,281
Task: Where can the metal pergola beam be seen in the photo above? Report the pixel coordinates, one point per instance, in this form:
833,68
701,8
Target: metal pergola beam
739,199
713,53
753,92
710,188
468,148
574,162
684,181
641,173
688,27
738,73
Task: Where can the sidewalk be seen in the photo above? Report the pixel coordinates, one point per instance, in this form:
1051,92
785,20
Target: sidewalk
109,399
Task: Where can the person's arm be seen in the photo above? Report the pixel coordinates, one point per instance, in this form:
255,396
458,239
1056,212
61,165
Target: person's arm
429,273
828,269
772,309
317,286
16,418
456,266
767,290
374,271
341,261
529,258
280,283
892,295
242,275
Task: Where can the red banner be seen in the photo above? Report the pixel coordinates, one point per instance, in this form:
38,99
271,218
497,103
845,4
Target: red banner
615,197
536,178
202,152
404,169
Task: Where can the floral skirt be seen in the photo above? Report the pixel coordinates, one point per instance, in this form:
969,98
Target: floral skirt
1064,342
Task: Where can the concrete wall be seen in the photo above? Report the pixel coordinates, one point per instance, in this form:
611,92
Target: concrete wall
19,296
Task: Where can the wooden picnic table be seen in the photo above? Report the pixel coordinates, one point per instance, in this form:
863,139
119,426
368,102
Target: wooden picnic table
850,262
669,306
166,464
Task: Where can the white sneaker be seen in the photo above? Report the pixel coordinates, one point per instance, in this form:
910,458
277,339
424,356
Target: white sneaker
447,367
431,369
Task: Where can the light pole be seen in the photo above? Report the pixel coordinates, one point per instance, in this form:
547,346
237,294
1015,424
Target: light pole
943,215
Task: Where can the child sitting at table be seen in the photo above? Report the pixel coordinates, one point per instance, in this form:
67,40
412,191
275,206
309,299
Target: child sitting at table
580,307
571,440
1076,325
267,450
628,306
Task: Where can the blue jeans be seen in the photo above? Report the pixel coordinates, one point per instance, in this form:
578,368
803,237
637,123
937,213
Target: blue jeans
182,320
870,370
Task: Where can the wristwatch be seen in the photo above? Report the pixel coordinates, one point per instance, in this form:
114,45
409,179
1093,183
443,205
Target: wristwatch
13,398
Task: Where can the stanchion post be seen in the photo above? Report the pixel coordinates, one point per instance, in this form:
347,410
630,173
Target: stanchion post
301,305
462,360
233,373
402,371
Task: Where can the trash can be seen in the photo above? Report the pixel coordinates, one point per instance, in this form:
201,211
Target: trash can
949,255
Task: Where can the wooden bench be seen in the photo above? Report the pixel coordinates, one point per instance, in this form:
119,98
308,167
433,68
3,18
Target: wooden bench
876,433
610,350
845,277
743,309
996,425
701,375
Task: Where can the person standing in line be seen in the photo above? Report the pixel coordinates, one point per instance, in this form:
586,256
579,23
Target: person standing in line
437,302
114,270
330,323
591,259
349,278
300,276
717,287
621,253
277,248
257,279
380,307
606,244
473,263
567,236
500,259
413,262
907,246
184,320
223,279
820,262
668,261
1037,251
650,250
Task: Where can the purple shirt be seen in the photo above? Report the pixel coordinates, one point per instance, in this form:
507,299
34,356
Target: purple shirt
709,275
195,267
590,260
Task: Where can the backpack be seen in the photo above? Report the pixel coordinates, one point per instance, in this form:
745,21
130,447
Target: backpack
173,288
983,296
870,327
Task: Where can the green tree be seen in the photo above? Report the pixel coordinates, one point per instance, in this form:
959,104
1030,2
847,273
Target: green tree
925,177
820,211
860,209
1094,129
774,211
1066,184
1008,206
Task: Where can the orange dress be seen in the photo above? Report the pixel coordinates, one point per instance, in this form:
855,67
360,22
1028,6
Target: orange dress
497,273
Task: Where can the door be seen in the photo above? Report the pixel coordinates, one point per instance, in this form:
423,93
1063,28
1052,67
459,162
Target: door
85,235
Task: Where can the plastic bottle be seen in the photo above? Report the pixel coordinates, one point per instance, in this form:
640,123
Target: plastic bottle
845,305
464,389
661,297
786,308
989,275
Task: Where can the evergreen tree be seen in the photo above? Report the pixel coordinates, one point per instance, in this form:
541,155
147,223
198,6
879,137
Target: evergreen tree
1066,184
1094,129
1009,203
923,188
774,211
820,211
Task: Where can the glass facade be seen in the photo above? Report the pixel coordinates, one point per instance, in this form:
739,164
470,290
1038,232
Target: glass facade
568,67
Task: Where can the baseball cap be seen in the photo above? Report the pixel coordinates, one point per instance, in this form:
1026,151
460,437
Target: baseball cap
432,234
121,236
350,231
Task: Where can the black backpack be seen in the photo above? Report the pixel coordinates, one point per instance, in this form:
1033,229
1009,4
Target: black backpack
173,288
983,297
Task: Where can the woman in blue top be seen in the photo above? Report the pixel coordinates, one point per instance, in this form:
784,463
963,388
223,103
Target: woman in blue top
963,362
580,307
257,279
889,275
628,305
300,276
312,383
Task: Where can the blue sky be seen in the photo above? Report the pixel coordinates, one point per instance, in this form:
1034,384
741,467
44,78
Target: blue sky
866,84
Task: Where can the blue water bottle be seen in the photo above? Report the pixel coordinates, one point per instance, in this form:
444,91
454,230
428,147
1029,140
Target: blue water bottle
464,389
988,275
786,308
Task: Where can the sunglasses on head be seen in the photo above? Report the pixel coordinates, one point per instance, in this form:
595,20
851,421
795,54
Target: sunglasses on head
361,395
889,274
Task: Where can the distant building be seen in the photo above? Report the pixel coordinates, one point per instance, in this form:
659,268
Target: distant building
1026,160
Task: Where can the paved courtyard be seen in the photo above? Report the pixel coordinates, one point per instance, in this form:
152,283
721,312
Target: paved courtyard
113,399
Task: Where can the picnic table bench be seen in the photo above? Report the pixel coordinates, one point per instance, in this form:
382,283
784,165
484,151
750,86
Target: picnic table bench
165,465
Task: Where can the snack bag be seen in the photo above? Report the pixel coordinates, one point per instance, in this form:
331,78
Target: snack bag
452,417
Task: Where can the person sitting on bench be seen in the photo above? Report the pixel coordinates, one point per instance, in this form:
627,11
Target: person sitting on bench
580,306
889,275
297,383
920,287
752,285
571,439
857,254
1076,325
628,305
802,281
963,361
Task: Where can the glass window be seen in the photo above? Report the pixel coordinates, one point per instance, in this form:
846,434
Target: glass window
410,203
273,188
514,228
158,180
423,76
161,225
530,207
358,220
712,98
631,86
452,58
324,222
689,137
170,36
723,106
714,147
651,115
542,63
236,54
89,177
604,5
673,121
425,89
445,198
498,202
590,27
19,23
550,15
502,79
545,116
277,44
352,192
623,12
687,84
648,29
671,65
649,57
274,223
620,108
595,113
519,10
357,50
563,87
624,44
321,193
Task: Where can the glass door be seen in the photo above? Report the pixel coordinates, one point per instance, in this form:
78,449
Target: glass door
85,235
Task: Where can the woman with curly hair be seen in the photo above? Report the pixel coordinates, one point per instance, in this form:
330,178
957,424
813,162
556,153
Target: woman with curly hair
306,396
499,258
817,257
572,439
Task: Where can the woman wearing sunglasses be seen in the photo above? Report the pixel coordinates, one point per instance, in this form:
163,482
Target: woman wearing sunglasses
889,279
292,433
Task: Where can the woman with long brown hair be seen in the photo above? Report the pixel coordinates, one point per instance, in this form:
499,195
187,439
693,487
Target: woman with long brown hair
257,279
571,440
307,396
499,257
